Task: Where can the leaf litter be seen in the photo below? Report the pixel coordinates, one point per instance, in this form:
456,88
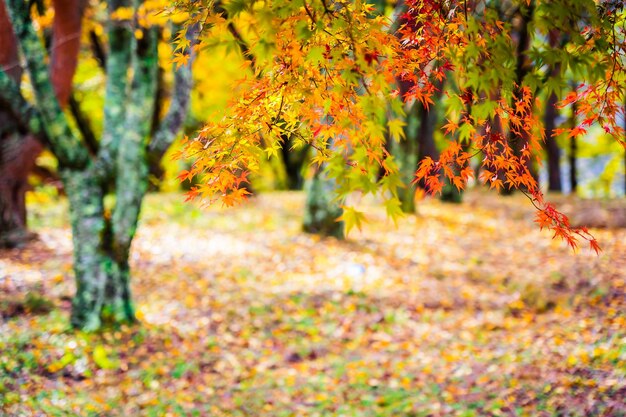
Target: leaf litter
461,310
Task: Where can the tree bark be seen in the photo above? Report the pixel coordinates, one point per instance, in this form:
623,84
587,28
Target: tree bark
407,154
552,148
551,113
102,244
131,184
294,161
573,151
17,153
321,212
102,240
17,157
66,31
118,64
64,144
522,68
102,281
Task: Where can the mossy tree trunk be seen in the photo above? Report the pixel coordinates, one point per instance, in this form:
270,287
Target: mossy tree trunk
405,153
99,295
321,210
102,235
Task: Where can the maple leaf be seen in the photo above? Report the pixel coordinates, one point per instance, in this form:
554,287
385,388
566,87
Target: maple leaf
593,244
450,127
577,131
351,218
180,59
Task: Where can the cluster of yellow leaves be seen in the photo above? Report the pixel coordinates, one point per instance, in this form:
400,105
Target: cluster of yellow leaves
150,13
327,85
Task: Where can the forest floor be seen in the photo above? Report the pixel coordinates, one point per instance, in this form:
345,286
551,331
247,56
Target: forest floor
461,310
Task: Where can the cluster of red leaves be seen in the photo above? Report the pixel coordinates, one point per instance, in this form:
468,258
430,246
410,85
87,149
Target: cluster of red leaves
508,142
428,30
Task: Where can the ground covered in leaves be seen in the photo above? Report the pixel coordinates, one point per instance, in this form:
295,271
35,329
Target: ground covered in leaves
461,310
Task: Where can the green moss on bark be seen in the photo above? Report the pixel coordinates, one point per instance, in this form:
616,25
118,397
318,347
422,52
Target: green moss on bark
321,211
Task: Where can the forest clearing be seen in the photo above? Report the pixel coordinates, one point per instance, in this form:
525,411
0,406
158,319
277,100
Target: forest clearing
460,310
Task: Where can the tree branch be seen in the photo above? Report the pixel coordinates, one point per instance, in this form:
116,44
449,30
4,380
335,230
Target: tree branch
98,49
159,95
25,115
66,30
64,145
243,45
83,124
177,112
116,97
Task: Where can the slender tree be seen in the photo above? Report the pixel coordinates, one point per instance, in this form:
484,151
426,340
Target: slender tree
550,115
573,155
102,235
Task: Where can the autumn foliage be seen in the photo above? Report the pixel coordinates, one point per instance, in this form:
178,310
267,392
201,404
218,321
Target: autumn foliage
330,80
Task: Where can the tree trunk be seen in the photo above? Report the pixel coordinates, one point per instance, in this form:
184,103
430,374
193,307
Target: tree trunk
14,162
102,284
17,157
294,160
552,148
102,244
405,152
321,212
131,184
573,171
18,152
102,240
523,66
9,60
551,113
573,150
